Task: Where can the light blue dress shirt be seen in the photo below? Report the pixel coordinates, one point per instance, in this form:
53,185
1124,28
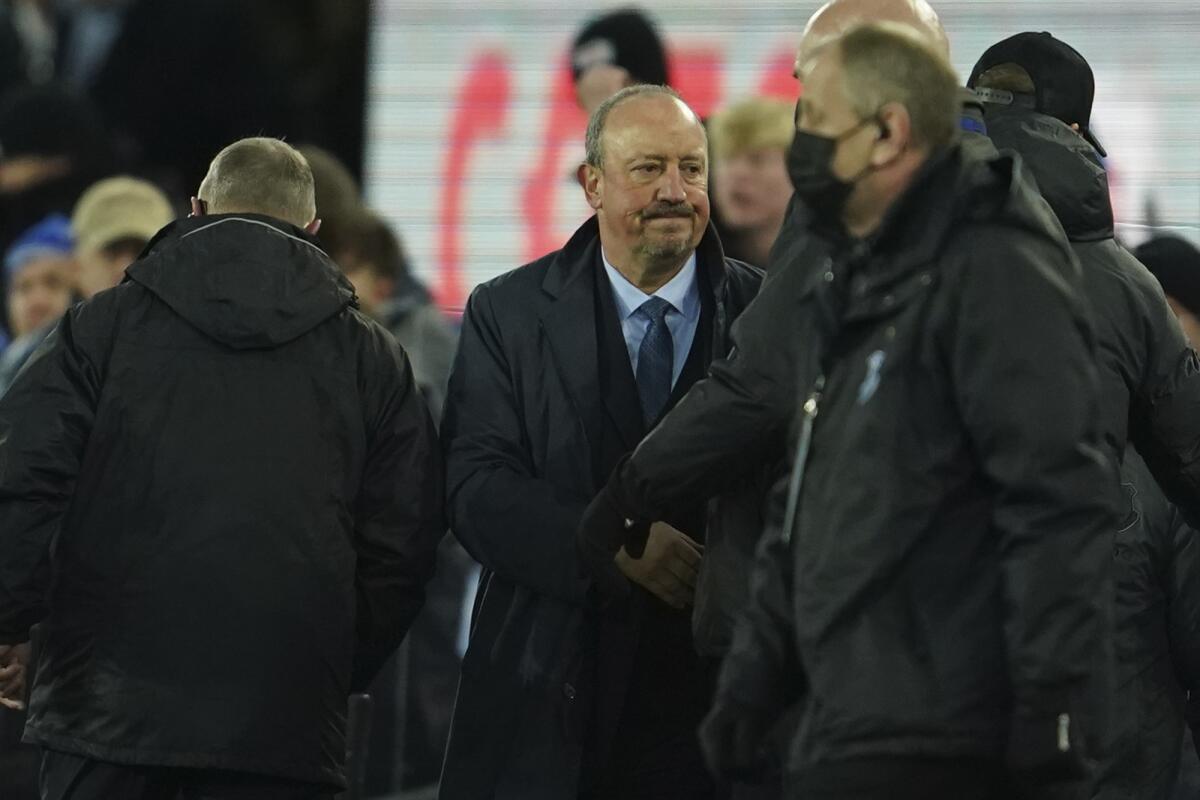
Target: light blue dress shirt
682,292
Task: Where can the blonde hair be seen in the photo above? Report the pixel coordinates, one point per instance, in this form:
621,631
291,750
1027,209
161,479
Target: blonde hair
756,123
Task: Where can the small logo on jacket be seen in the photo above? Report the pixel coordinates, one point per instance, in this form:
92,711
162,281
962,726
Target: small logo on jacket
870,383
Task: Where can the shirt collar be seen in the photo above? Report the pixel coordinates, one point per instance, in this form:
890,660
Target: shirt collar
682,291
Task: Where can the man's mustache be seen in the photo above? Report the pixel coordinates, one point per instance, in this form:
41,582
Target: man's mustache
664,210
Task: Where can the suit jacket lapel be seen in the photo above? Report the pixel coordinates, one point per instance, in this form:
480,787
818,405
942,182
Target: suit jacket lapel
569,327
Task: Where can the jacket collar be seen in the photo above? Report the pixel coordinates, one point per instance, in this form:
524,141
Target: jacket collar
186,225
581,254
569,323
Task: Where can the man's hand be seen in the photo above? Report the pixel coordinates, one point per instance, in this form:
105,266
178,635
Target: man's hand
14,667
668,566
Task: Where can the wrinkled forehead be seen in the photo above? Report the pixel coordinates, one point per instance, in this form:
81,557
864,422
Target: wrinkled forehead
660,123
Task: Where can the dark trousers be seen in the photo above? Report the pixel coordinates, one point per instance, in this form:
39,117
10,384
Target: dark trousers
902,779
69,777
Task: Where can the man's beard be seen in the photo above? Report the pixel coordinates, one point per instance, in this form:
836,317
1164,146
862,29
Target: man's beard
663,249
660,249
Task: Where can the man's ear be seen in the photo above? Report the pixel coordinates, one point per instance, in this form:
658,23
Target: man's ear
590,179
199,207
895,134
314,226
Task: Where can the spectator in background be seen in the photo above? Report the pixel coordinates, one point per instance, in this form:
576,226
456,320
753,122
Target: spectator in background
39,268
1176,264
749,141
414,693
29,41
616,50
371,255
254,490
112,223
339,196
53,145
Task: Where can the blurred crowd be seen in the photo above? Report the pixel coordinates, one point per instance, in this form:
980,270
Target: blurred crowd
109,113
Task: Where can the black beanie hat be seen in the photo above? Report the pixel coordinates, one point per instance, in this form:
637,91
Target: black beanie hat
1176,264
624,38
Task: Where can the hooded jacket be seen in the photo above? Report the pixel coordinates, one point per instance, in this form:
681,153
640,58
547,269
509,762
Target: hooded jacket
1149,375
1157,644
1149,393
220,496
948,475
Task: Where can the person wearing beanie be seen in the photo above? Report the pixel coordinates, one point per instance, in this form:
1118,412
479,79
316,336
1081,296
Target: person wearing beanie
112,223
1175,262
615,50
37,268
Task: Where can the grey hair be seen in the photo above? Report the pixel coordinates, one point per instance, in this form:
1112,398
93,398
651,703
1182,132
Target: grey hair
261,175
593,142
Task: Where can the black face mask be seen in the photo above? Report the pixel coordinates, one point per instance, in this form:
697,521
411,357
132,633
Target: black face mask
810,166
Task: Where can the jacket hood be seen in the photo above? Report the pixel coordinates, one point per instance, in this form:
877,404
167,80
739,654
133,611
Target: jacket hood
247,281
1067,169
960,187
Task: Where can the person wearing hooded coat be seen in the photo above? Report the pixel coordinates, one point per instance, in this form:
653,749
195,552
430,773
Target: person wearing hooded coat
1148,392
232,477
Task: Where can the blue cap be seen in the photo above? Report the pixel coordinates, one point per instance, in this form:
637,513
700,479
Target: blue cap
50,237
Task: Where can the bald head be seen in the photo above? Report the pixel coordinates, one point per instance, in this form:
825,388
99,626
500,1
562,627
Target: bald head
260,176
837,17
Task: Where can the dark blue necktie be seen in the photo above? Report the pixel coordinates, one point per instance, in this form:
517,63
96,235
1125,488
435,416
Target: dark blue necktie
656,360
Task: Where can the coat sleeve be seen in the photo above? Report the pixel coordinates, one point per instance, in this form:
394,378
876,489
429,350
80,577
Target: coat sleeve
46,419
516,524
732,421
1183,602
1165,407
398,514
1021,364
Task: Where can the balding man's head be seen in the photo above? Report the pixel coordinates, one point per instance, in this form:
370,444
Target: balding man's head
837,17
260,176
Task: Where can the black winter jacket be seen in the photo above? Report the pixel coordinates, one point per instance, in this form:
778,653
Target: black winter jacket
1149,375
942,565
1157,577
1150,393
220,494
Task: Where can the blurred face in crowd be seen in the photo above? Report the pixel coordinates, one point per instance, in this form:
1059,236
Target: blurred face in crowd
752,189
651,192
103,268
1189,321
598,84
371,287
39,293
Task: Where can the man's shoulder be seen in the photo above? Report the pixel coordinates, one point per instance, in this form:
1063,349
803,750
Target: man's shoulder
521,280
514,294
